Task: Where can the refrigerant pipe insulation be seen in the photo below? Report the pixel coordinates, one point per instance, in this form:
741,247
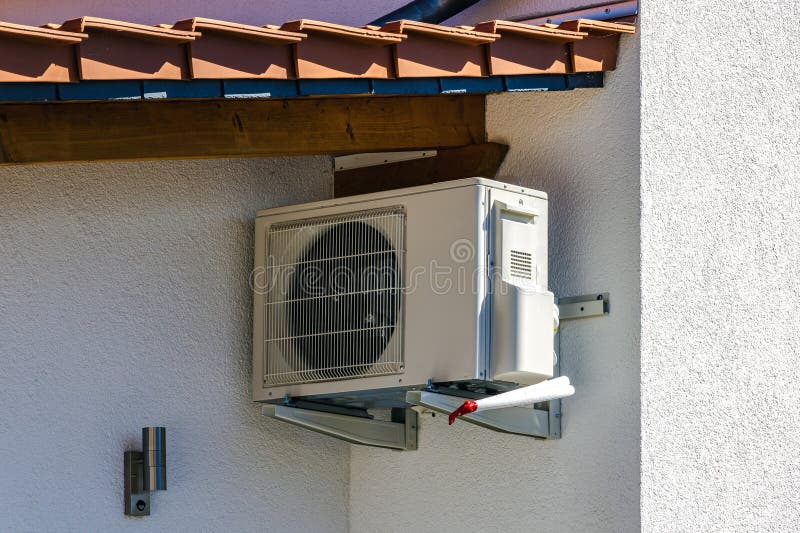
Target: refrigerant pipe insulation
432,11
551,389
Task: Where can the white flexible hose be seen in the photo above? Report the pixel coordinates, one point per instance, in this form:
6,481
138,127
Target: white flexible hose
556,318
541,392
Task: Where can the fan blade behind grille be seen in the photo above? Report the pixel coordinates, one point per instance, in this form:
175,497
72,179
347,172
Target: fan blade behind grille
334,311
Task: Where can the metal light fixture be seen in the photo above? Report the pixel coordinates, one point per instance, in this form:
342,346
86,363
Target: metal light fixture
145,471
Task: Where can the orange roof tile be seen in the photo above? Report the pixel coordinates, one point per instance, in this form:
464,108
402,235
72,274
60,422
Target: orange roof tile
365,35
30,53
129,29
44,34
526,49
457,34
598,51
543,32
228,50
257,33
597,26
91,48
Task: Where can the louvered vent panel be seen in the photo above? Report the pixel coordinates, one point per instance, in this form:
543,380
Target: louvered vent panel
335,296
521,264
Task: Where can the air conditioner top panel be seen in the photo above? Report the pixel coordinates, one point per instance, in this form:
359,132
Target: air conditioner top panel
467,182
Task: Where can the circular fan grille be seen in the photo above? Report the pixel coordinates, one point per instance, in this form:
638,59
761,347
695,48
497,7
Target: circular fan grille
344,299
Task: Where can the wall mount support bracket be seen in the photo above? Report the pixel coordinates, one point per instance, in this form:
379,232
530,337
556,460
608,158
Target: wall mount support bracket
397,435
586,306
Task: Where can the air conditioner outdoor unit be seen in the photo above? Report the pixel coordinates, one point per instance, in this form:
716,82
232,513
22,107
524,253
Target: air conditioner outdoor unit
359,300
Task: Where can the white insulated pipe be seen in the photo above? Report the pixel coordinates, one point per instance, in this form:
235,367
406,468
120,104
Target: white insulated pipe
551,389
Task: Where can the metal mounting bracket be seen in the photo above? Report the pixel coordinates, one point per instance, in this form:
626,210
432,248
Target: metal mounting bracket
383,434
585,306
370,159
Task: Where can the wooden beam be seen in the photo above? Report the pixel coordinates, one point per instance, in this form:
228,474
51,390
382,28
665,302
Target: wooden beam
481,160
89,131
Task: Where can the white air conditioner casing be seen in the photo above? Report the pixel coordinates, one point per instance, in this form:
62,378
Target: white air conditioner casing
447,283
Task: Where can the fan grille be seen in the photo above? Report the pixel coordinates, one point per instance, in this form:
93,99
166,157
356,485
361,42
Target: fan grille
334,304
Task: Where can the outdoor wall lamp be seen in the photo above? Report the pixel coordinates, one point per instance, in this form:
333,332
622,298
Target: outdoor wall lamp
145,471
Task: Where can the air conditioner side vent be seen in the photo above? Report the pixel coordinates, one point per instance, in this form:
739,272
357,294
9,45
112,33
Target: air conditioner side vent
521,264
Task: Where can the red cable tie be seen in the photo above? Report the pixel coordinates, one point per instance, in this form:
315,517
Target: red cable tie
466,408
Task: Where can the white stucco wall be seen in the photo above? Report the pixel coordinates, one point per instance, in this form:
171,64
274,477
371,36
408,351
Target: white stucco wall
125,302
720,269
581,148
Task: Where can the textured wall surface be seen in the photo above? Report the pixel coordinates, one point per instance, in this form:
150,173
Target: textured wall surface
720,268
582,149
125,302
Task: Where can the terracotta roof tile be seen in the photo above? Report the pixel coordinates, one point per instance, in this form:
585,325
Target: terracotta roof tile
434,50
119,50
598,50
596,26
364,34
129,29
229,51
269,34
91,48
42,35
34,54
457,34
526,49
334,51
544,32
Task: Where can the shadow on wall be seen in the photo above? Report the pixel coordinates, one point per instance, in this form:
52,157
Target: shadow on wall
582,148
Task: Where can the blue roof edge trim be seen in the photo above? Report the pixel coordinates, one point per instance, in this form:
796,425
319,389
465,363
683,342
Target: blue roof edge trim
258,89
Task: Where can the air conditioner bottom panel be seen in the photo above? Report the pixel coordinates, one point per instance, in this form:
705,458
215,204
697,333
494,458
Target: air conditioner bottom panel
396,396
